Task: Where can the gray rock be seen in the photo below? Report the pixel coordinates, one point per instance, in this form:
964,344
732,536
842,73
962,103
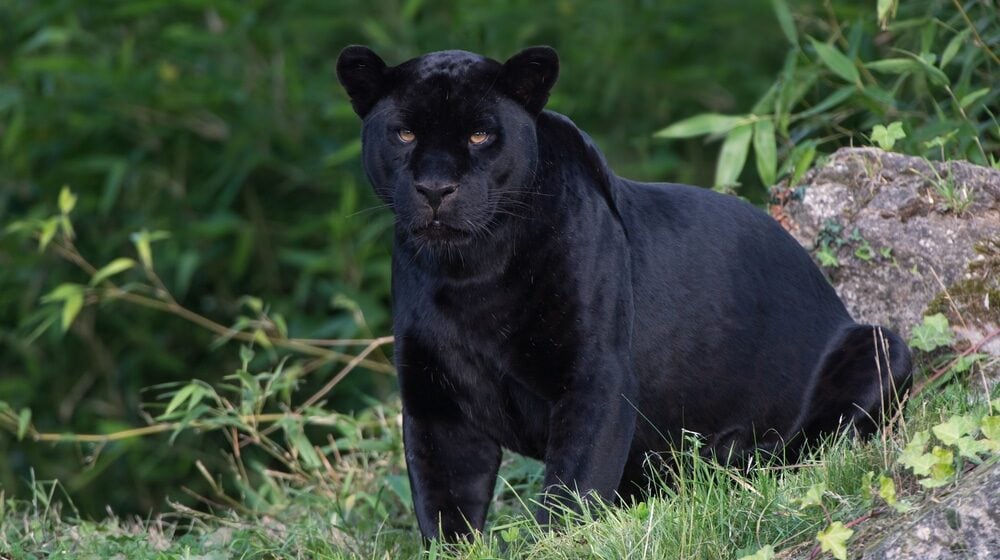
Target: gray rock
965,524
910,237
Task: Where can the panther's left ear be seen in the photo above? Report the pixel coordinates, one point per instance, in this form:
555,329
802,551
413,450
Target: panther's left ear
529,75
362,73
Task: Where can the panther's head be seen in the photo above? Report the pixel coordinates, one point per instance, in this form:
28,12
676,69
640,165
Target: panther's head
449,138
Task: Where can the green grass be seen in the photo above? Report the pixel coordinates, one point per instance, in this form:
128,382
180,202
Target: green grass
357,506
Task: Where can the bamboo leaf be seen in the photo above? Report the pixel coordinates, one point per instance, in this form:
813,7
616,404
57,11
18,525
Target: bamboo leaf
786,21
47,233
894,65
699,125
766,151
114,267
179,398
71,308
733,156
886,11
952,49
973,97
831,101
837,61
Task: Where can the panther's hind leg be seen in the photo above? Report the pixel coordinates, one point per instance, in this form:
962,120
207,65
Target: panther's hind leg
860,383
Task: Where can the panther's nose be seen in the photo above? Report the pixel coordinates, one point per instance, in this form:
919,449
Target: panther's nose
435,192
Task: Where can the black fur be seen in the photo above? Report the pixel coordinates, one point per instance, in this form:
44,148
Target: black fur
544,305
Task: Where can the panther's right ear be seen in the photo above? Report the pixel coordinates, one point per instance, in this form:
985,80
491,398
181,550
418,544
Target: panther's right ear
362,73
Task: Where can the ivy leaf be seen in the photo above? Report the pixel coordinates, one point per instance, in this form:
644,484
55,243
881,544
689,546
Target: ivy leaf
990,426
952,430
913,455
827,257
814,496
933,333
972,448
765,553
942,470
834,538
886,137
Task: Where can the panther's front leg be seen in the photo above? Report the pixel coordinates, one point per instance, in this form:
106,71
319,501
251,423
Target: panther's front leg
590,432
452,469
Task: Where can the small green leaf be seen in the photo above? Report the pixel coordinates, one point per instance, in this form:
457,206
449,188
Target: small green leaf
142,240
280,324
765,149
933,333
785,21
67,200
700,125
801,158
114,267
887,490
23,422
179,397
952,49
886,137
765,553
971,98
48,232
834,539
733,156
306,451
827,257
837,61
71,308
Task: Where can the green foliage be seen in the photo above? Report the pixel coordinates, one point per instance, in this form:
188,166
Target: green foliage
928,67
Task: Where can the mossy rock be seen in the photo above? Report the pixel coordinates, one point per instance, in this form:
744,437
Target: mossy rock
902,237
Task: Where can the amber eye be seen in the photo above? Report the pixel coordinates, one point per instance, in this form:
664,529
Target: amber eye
479,137
406,136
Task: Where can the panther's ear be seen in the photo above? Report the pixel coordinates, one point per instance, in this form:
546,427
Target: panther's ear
529,75
362,73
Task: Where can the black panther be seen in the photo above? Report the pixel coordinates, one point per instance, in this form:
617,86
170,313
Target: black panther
545,305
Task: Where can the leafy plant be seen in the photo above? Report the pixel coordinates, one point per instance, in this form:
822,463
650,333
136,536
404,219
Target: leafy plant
926,66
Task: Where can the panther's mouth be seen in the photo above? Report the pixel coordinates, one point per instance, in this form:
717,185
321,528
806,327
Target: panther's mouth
438,231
